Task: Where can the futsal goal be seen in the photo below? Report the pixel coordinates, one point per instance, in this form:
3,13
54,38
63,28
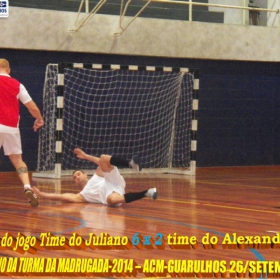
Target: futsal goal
121,110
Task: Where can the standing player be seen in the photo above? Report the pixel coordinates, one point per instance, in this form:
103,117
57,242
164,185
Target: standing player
11,91
106,186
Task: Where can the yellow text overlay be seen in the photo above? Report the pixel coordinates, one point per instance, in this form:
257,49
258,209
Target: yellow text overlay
91,267
21,243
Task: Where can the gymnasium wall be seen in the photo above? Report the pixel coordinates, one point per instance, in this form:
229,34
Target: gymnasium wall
239,119
50,30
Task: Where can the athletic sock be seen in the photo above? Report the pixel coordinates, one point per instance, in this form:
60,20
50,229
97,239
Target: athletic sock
27,186
119,162
129,197
151,193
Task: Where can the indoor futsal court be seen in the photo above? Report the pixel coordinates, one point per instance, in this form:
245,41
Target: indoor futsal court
158,85
217,201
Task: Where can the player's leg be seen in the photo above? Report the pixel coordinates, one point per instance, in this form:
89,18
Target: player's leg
116,184
12,149
105,163
99,172
116,198
22,172
108,161
21,169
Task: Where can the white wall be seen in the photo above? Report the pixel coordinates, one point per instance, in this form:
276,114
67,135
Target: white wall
272,18
49,30
235,16
232,16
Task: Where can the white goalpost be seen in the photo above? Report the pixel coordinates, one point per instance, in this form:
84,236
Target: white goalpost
120,110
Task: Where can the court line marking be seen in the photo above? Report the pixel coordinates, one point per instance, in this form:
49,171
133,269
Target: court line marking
243,209
234,184
196,203
220,206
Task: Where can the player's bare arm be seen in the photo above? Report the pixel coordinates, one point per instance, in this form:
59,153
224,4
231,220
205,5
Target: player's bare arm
82,155
35,112
69,197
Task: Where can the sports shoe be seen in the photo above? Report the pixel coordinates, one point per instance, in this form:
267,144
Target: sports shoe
151,193
32,197
135,163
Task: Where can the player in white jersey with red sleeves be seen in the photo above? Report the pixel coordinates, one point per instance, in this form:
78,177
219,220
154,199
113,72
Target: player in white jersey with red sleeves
11,92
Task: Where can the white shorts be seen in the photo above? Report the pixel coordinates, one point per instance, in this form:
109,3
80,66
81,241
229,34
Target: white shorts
115,178
11,143
114,183
99,188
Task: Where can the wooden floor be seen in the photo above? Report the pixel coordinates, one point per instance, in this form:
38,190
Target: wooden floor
215,202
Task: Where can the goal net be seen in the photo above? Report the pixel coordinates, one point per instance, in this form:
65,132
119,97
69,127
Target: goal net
118,110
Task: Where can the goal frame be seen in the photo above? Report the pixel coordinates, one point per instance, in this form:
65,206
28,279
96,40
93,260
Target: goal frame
58,172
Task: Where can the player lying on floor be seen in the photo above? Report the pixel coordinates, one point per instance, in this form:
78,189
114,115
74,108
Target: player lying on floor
106,186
